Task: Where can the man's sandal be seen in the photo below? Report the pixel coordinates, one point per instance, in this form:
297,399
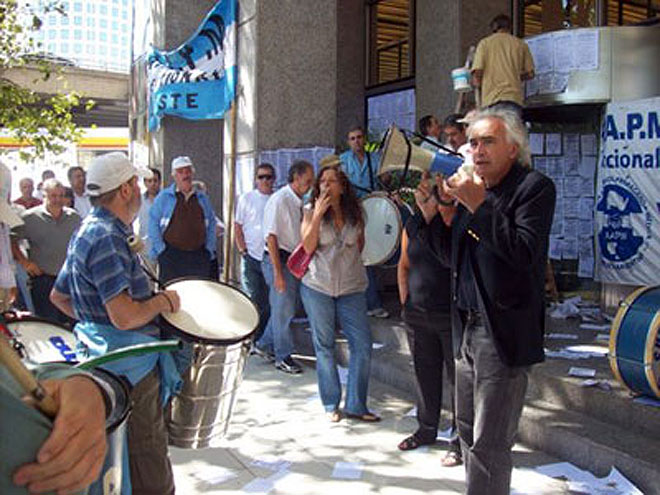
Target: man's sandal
334,416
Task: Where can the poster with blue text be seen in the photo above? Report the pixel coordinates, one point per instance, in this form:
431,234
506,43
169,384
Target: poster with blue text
197,80
628,186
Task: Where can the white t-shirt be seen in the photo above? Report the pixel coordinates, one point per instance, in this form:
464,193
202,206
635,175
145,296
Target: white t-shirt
82,205
249,215
282,217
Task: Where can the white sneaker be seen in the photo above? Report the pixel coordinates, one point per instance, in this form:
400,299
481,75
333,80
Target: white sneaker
378,313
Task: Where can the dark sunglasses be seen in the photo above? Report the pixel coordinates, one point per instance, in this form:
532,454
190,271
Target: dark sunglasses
265,177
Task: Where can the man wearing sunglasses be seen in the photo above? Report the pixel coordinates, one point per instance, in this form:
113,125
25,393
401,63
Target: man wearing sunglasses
250,241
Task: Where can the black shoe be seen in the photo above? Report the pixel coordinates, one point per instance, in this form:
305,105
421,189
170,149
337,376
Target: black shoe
288,365
262,353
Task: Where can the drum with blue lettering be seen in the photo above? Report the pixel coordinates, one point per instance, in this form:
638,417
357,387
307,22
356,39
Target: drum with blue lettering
634,342
42,341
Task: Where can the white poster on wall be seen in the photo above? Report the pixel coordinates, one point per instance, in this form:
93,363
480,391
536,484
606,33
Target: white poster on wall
628,194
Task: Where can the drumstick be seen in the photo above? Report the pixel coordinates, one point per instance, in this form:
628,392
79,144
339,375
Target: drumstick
26,380
137,246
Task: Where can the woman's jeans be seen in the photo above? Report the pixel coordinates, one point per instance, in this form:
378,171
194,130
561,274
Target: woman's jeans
350,311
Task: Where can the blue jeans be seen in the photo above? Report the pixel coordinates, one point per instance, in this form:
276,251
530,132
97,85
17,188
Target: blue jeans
278,336
254,285
373,297
351,311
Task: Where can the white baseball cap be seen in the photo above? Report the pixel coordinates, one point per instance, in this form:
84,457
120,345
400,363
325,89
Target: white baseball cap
111,170
181,162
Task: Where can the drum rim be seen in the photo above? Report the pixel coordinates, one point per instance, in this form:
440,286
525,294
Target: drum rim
649,347
205,340
621,313
101,373
39,319
386,196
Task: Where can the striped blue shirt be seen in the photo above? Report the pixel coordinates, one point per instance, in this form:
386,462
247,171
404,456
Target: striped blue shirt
99,266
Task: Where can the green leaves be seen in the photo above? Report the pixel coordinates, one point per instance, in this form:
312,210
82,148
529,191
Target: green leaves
44,122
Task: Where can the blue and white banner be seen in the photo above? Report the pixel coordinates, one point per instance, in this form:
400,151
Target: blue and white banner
197,80
628,186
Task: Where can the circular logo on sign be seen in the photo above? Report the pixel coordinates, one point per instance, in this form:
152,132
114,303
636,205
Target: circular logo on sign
626,224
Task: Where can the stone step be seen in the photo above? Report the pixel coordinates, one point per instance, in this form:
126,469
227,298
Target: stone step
591,444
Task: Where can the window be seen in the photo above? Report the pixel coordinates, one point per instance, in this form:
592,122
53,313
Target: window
91,8
103,36
539,16
391,40
91,22
64,21
124,28
115,39
91,35
115,26
52,20
103,23
64,47
103,10
77,49
77,34
64,34
115,13
52,47
90,50
103,50
52,34
77,7
77,20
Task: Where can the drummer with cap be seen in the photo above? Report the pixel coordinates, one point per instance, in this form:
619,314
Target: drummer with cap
103,286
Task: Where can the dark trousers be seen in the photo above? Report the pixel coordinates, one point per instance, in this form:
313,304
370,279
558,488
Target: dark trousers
151,471
489,402
430,344
174,263
254,285
40,290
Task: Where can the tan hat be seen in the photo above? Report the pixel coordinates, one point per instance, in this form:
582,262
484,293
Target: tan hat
8,215
330,161
111,170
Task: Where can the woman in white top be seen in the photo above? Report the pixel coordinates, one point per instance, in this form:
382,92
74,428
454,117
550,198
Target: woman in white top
334,289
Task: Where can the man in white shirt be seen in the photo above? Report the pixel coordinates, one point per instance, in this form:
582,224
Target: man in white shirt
281,230
81,204
152,188
250,241
431,129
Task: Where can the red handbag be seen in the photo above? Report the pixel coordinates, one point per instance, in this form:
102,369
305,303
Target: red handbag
299,261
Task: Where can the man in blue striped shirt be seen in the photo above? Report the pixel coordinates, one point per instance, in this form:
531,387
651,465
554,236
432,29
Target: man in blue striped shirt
102,285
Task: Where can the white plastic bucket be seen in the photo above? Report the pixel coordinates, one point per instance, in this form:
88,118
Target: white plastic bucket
461,79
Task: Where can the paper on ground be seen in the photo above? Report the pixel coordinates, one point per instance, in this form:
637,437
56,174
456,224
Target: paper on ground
594,326
564,336
377,345
347,470
582,372
272,464
614,484
264,486
647,401
214,475
446,435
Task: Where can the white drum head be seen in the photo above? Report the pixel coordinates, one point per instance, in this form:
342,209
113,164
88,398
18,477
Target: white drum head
43,342
382,229
212,311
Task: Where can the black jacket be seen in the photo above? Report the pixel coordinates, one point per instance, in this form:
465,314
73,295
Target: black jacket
507,240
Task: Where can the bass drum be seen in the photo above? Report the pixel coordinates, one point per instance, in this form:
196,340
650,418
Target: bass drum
635,344
42,341
384,222
216,323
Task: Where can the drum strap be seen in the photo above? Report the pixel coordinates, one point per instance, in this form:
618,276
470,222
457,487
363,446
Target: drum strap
407,164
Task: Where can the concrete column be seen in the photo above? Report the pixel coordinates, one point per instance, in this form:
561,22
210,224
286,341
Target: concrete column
445,31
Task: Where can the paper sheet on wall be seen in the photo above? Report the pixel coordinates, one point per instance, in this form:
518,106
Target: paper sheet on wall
571,228
553,144
572,164
562,51
586,257
588,144
536,143
531,87
585,228
569,249
555,166
586,48
570,207
555,248
541,48
587,187
571,144
559,82
541,164
587,167
572,188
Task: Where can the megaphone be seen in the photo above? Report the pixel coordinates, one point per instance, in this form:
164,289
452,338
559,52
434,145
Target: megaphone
399,153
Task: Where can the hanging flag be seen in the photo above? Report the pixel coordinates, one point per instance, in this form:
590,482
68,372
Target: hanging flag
628,236
197,80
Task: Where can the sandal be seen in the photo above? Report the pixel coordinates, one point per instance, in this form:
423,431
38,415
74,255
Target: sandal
452,459
411,443
334,416
366,417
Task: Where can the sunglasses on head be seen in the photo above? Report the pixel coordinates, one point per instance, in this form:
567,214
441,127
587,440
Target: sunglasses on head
265,177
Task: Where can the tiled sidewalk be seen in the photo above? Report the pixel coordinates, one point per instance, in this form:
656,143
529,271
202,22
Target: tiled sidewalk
281,443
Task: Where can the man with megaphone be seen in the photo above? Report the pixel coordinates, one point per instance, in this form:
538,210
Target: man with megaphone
496,247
